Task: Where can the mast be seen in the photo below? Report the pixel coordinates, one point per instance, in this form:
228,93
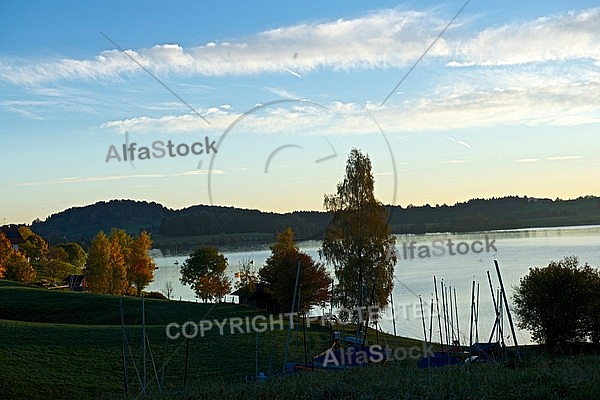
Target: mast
510,321
437,305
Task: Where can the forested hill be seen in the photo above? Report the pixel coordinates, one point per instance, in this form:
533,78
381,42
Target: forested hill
217,225
83,223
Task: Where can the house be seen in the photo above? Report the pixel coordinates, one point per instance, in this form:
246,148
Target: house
258,296
13,235
75,282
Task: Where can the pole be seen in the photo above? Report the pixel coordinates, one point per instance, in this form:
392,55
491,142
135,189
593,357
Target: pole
331,317
477,317
287,343
471,326
123,352
431,320
144,343
256,358
394,320
456,312
451,315
437,305
495,307
510,321
423,319
187,354
444,310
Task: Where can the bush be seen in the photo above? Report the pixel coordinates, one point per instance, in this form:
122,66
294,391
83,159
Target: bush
559,302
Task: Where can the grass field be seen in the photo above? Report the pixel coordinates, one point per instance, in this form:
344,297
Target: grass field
68,345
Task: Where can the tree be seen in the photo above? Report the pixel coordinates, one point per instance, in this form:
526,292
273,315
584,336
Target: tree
57,253
56,270
75,254
280,270
168,289
558,302
18,269
6,250
357,239
140,267
204,271
106,271
247,277
35,247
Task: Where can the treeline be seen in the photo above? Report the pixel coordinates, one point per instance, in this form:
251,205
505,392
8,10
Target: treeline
81,224
496,213
117,263
207,220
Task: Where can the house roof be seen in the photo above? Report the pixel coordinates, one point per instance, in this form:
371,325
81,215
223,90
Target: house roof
75,279
245,291
12,234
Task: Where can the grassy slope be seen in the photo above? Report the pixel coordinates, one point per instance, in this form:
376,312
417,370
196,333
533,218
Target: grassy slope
68,345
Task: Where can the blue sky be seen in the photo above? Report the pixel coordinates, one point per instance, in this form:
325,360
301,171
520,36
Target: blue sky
506,102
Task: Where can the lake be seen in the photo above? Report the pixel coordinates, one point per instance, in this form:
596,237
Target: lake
515,250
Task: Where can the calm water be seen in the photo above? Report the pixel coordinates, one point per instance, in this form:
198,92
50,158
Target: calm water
517,250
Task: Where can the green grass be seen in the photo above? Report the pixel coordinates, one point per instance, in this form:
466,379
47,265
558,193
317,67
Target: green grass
68,345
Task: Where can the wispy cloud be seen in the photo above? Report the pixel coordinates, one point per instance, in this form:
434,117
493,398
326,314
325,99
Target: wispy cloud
465,144
563,158
569,36
386,39
528,160
79,179
455,162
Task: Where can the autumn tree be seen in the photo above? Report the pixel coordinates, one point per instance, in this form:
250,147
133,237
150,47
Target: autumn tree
13,264
105,269
280,270
6,250
204,271
140,267
357,239
35,247
18,269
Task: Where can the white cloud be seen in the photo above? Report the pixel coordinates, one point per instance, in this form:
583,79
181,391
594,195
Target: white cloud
455,162
79,179
389,38
551,102
528,160
563,158
384,39
465,144
570,36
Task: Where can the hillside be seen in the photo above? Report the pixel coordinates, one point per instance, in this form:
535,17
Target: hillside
68,345
229,225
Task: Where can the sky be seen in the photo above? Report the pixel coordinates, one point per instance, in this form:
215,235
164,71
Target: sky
263,101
